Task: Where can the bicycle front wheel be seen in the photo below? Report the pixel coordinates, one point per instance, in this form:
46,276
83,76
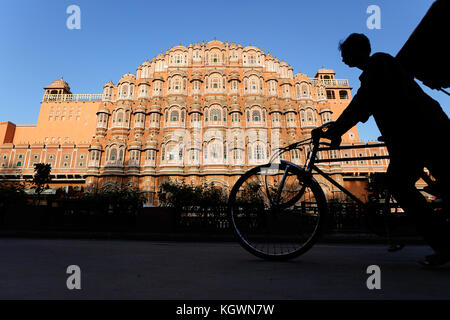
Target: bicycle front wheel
277,211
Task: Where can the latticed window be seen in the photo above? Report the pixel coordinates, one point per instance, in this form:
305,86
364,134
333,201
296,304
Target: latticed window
113,155
343,94
215,115
256,115
330,94
120,116
259,152
174,116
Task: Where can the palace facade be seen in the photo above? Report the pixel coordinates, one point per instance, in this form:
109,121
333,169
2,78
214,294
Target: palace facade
204,113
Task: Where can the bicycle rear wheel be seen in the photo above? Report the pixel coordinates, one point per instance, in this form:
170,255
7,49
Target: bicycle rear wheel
277,211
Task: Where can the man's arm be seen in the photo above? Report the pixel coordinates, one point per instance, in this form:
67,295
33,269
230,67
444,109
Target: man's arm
355,112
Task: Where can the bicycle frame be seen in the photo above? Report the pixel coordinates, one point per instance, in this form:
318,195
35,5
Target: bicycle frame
310,164
313,166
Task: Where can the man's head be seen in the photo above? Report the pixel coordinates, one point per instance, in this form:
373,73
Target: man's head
355,50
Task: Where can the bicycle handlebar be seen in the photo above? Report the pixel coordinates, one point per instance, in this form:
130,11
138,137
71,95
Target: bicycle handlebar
318,132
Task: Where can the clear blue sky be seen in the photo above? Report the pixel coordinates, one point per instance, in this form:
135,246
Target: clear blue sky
115,37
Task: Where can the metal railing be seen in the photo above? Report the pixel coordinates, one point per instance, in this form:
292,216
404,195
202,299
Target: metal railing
332,82
84,97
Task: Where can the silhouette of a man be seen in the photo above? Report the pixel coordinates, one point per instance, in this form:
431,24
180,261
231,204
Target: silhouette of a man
413,126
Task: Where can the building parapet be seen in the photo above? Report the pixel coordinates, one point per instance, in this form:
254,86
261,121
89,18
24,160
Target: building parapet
331,82
83,97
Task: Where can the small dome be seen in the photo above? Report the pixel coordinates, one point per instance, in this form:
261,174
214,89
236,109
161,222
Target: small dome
274,108
235,108
139,109
301,76
152,145
128,78
96,146
214,43
109,84
59,84
135,145
195,108
325,71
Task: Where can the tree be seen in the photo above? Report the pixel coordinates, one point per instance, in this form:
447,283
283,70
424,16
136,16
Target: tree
41,177
179,194
116,199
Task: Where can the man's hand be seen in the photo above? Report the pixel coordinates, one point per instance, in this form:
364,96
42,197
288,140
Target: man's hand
328,131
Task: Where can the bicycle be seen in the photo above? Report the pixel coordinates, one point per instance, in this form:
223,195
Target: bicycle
278,210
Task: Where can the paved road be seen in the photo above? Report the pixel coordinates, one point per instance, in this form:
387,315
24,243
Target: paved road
36,269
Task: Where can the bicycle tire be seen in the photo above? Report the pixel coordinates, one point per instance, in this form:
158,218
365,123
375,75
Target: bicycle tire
248,220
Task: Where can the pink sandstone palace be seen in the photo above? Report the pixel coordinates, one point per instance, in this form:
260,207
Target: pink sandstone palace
205,113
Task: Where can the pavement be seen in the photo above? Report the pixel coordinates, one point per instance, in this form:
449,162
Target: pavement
130,269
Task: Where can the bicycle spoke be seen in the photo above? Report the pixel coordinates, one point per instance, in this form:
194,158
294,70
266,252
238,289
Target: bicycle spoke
275,212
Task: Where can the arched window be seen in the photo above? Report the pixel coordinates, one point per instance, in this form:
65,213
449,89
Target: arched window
258,152
215,115
309,116
256,115
214,151
215,83
304,90
170,153
343,94
113,154
330,94
177,85
120,116
174,116
124,90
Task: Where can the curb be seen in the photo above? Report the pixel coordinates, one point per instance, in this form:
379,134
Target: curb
200,237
